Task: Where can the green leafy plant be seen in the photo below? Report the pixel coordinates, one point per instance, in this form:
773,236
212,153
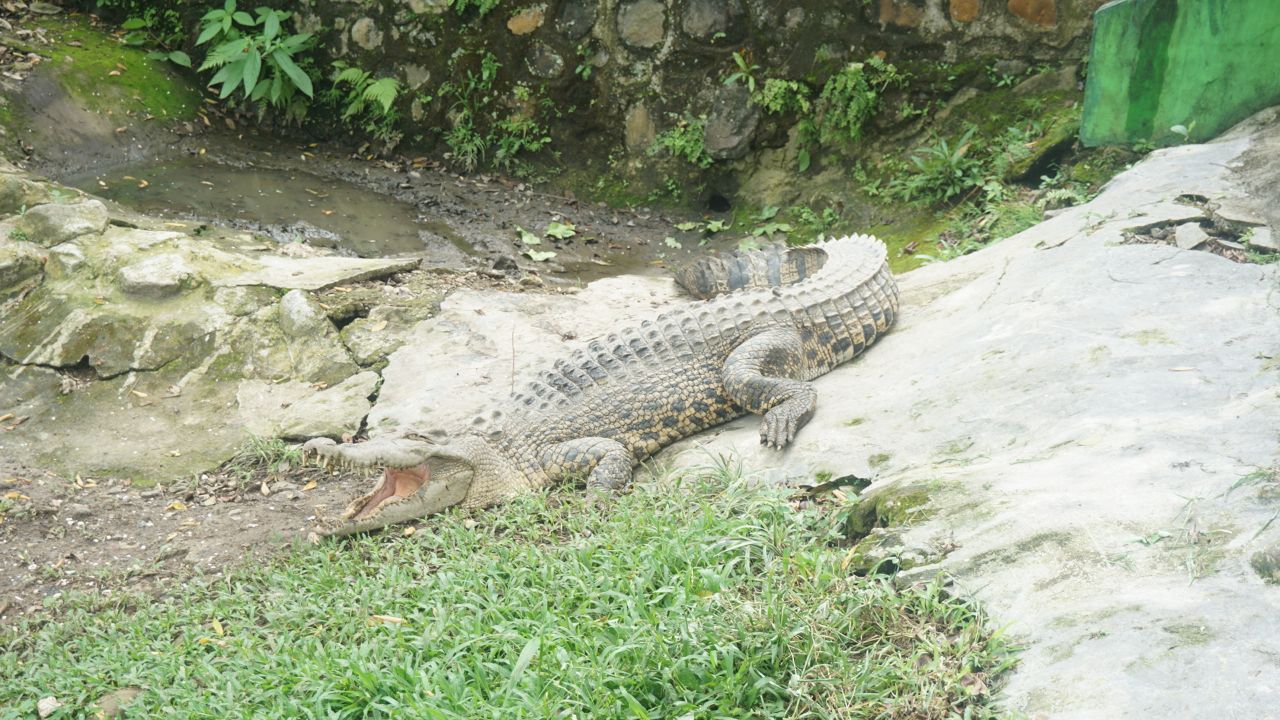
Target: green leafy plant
745,71
1184,131
687,226
850,97
255,55
941,172
483,7
158,32
813,222
672,243
477,126
18,235
584,65
61,196
715,226
268,453
780,96
688,139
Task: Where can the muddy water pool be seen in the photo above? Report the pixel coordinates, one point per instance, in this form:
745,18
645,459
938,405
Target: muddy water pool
347,216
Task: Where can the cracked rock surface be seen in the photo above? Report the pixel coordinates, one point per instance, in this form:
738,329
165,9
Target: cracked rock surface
126,351
1096,424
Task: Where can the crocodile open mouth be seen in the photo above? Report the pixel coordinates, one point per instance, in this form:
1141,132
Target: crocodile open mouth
397,483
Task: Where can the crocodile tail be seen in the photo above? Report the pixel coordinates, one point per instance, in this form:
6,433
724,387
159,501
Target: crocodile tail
771,266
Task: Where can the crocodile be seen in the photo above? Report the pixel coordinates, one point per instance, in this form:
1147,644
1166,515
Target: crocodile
766,323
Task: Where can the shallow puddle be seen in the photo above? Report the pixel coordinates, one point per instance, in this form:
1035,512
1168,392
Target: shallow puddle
364,222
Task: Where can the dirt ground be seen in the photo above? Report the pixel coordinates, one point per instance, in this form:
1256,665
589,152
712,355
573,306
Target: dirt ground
105,536
102,536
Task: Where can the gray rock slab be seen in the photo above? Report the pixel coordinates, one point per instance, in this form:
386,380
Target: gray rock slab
576,19
1263,237
158,277
318,273
332,412
703,19
19,263
1084,410
262,404
53,224
17,192
733,120
301,316
1064,79
641,23
64,259
1189,236
387,328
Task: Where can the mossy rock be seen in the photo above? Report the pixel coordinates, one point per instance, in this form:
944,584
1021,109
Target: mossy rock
891,507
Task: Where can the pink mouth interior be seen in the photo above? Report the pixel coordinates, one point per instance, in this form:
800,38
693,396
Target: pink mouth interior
396,483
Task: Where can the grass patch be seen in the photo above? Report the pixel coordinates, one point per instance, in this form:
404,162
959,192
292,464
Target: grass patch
697,597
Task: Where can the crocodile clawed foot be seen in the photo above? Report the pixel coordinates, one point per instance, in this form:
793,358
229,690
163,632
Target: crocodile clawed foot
778,430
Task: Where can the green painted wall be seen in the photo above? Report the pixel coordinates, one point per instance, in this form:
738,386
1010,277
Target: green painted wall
1154,64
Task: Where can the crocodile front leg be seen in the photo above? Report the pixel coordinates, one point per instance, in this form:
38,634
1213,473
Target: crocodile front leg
758,375
606,463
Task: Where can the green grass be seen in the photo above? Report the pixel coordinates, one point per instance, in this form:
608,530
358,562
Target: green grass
267,453
698,597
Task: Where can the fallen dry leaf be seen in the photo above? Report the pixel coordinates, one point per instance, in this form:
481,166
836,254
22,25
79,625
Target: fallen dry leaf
16,496
387,619
326,212
410,530
1181,369
143,184
140,394
310,486
378,326
173,453
1091,441
266,491
114,72
6,416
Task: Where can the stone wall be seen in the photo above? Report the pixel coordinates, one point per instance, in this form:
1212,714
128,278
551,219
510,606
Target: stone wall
608,76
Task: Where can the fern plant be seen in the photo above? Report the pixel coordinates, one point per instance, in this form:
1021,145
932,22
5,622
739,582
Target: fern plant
254,54
852,96
368,103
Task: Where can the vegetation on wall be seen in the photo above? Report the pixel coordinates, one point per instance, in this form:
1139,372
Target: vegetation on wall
367,104
256,55
484,123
